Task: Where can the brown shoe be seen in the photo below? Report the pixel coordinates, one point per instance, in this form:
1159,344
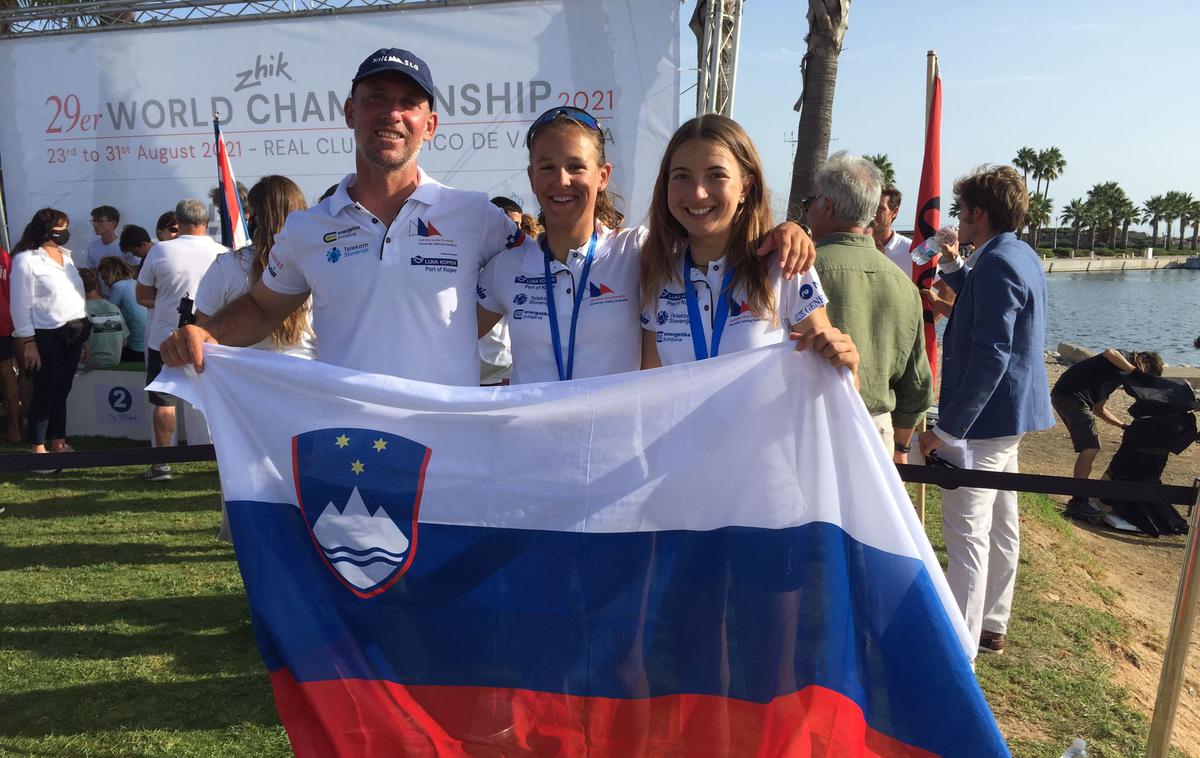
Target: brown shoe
991,642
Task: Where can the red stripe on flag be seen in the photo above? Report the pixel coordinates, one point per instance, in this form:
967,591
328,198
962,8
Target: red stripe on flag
929,214
359,718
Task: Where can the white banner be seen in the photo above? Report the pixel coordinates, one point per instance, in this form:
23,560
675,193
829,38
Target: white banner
124,118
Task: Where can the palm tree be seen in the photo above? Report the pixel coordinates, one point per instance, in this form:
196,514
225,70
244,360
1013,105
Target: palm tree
1051,165
1128,213
1153,212
1183,203
1075,214
1039,214
1026,160
1194,217
884,164
1104,199
1174,206
954,209
827,22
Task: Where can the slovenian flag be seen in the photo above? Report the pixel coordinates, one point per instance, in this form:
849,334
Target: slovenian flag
714,558
233,219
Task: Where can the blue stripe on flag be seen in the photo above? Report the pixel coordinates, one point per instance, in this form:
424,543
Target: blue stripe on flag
626,616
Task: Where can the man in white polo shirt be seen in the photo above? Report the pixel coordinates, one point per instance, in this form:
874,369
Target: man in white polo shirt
890,242
391,257
171,272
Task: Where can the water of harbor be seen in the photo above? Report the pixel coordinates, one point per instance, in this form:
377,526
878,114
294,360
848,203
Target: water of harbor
1132,310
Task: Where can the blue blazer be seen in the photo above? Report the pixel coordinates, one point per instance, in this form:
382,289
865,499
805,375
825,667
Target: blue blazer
993,367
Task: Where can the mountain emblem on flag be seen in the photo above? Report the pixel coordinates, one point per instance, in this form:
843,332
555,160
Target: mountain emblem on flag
596,290
422,228
360,492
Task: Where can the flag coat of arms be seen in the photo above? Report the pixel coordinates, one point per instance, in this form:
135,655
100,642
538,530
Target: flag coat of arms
714,558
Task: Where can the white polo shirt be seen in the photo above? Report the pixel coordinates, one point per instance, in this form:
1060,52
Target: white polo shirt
795,299
607,338
897,251
174,268
395,299
97,251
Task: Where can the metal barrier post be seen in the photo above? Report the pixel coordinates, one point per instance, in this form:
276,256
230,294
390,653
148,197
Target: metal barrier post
920,499
1166,703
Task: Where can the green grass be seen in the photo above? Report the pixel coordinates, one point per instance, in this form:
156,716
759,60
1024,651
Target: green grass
1052,680
124,629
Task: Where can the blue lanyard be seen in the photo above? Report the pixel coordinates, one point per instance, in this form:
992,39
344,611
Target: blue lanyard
552,309
719,318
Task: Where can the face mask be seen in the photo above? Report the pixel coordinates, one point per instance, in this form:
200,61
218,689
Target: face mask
60,236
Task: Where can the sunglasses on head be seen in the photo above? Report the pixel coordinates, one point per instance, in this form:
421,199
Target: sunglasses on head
578,115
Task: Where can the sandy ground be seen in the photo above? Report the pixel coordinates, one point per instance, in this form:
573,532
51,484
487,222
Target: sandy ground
1143,571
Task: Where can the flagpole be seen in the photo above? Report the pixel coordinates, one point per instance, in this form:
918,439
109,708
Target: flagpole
930,74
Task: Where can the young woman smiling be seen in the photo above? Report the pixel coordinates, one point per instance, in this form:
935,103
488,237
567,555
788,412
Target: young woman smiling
585,321
705,291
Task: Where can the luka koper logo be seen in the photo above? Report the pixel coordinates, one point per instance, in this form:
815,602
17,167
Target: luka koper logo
360,493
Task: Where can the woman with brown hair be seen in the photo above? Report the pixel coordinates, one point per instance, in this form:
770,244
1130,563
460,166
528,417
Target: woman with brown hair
573,301
232,275
704,289
49,323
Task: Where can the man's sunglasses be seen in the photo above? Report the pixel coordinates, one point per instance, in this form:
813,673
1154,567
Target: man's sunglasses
808,201
578,115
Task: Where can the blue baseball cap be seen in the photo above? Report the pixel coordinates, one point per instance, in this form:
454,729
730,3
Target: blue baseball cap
400,61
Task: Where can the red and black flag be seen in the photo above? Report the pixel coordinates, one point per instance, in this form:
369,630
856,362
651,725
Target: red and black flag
929,203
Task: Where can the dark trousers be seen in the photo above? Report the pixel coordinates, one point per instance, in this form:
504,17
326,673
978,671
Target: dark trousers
60,350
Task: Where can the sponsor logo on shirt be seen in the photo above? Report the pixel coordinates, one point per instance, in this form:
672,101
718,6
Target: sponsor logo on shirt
480,292
806,291
443,265
341,234
645,321
528,315
539,281
808,308
274,264
672,297
333,255
520,299
356,249
428,234
599,293
661,319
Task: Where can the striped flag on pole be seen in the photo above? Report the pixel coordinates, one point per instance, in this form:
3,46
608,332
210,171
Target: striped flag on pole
233,220
929,203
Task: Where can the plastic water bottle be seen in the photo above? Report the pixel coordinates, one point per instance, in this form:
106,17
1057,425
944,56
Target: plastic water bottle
923,253
1078,749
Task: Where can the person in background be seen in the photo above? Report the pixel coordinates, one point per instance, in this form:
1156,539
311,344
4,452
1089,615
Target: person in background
167,227
888,241
135,243
168,280
994,390
510,208
873,301
495,347
109,332
1079,396
119,276
268,204
50,323
8,374
104,223
530,225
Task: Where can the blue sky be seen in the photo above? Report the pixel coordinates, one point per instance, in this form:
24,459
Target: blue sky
1109,83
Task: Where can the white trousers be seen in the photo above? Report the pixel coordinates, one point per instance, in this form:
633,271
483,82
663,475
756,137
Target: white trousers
883,425
982,535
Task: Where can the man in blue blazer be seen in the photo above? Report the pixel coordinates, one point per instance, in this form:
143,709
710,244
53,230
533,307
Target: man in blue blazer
994,389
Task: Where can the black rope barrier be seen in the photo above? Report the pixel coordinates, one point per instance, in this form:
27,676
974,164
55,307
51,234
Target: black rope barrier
943,477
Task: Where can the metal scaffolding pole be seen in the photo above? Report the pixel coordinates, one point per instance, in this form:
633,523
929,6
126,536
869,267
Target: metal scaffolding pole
716,79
